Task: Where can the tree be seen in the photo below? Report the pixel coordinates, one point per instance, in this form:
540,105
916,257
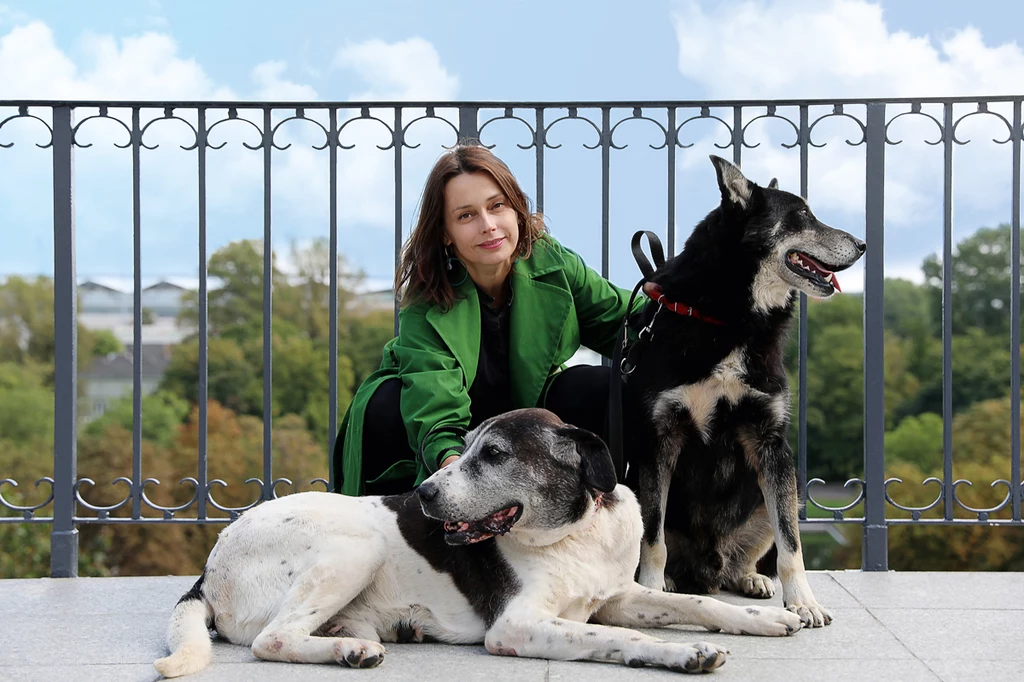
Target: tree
981,282
162,413
981,448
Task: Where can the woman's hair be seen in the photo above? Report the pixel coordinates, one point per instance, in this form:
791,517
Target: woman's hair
422,275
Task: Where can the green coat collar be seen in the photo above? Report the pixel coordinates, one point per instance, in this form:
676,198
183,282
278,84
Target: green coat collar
538,316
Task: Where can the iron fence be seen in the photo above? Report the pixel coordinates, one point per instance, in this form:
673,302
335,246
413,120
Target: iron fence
871,119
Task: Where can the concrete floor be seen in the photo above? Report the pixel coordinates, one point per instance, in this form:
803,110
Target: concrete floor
891,626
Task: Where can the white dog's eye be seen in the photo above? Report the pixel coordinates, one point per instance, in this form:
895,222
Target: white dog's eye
491,451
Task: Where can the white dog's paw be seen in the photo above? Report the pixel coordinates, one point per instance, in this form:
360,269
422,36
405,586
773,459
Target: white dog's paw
756,585
358,653
765,621
696,658
812,614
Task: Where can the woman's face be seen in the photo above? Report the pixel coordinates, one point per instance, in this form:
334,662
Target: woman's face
480,225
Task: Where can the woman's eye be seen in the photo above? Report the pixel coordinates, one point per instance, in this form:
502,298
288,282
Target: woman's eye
464,216
500,204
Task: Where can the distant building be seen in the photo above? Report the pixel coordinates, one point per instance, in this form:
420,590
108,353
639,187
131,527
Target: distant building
112,377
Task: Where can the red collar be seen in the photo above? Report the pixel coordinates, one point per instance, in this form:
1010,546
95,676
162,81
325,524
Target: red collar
685,310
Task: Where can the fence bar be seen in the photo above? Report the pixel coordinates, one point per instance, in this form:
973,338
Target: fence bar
1015,317
875,555
737,134
64,538
204,334
606,148
947,310
398,141
801,445
332,334
136,316
670,144
268,289
539,140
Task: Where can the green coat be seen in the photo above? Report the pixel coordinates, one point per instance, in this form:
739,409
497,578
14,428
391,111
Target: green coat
558,304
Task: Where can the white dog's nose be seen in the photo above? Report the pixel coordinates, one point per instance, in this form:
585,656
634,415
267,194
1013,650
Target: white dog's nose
427,491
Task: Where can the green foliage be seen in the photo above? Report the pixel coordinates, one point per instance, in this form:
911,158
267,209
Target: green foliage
162,413
981,282
916,440
105,343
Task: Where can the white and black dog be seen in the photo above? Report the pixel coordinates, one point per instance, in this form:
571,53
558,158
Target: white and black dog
707,406
526,543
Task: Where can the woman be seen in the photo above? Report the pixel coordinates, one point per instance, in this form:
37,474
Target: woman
492,306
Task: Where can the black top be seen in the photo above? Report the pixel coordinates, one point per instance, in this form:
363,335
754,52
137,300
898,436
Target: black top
489,394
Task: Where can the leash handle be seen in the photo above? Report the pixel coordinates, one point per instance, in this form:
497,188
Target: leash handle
657,252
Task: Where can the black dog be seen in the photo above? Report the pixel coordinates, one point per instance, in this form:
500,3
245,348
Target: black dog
707,405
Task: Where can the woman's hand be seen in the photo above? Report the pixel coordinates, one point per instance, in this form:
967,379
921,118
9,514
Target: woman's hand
448,460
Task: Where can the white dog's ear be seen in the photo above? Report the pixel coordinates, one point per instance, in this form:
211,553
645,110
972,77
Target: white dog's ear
596,464
773,184
735,187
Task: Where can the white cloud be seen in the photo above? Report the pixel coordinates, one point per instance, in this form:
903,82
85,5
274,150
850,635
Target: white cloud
149,66
803,49
408,70
836,48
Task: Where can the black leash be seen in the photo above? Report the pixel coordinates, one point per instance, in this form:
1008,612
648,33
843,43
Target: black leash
449,428
624,355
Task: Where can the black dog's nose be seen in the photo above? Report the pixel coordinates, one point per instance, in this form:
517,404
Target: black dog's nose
861,246
427,491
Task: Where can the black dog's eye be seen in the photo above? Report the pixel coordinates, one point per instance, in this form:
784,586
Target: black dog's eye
804,212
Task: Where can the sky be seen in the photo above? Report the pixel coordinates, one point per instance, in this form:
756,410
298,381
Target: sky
512,51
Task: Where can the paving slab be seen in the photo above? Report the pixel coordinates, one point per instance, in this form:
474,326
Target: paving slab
896,626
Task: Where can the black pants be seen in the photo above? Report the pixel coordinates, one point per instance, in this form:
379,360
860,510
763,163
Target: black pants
579,396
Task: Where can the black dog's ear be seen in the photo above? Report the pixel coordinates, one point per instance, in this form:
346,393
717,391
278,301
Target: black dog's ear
735,187
595,459
774,184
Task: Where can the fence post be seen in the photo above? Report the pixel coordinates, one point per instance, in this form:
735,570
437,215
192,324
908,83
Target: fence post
64,538
875,556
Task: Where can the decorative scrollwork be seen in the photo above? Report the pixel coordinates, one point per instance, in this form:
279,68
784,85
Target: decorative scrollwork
428,114
983,513
983,111
234,510
233,116
168,512
104,115
638,116
364,115
770,114
300,115
915,512
102,511
327,485
509,115
26,510
705,115
915,110
837,512
572,115
837,111
169,115
23,113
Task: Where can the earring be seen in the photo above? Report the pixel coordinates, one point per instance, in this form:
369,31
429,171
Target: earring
450,261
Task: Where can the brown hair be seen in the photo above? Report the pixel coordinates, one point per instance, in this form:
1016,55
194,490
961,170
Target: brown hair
421,274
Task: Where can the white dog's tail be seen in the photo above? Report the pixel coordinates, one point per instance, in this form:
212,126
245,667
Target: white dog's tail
188,635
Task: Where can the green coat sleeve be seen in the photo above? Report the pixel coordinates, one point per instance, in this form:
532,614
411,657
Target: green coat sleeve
600,305
434,391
